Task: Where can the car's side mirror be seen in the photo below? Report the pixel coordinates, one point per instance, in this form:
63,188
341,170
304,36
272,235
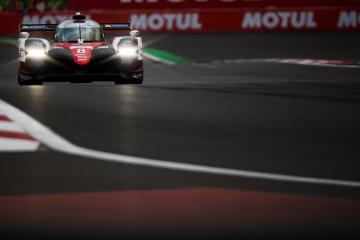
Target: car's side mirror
135,33
24,35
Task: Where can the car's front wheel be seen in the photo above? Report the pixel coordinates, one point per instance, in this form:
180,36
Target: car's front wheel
136,78
26,81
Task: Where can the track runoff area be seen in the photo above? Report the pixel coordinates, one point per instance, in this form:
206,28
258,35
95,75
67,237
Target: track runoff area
257,138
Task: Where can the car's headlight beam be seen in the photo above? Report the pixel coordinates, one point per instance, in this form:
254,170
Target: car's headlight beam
128,52
36,53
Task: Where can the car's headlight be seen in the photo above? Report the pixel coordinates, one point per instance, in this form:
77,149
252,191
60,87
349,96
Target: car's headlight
36,53
128,52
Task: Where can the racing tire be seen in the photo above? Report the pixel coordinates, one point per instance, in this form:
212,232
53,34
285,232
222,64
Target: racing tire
128,81
136,81
23,82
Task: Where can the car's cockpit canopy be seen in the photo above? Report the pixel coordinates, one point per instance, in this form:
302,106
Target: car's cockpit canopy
72,32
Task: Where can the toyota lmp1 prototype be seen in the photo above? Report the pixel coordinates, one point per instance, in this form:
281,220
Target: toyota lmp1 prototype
77,50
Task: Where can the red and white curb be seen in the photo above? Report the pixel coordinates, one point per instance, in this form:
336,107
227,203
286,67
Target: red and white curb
14,138
57,143
307,62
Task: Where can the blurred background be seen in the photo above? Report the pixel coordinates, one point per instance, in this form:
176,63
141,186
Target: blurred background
266,86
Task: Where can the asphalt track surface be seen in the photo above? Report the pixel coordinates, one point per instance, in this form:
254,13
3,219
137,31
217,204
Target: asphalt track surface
264,117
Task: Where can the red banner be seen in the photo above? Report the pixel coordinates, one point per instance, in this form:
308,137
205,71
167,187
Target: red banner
10,23
159,4
237,20
212,20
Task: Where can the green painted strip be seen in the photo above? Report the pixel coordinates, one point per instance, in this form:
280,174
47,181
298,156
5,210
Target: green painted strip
8,40
167,56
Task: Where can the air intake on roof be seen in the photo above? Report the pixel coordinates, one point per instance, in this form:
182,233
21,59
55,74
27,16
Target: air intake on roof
79,17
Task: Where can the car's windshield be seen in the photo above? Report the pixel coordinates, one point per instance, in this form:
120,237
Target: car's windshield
73,34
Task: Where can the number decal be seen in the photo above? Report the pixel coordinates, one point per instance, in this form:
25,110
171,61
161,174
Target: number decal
81,51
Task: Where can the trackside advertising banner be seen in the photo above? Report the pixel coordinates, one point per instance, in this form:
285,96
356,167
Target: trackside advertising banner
223,20
9,23
170,4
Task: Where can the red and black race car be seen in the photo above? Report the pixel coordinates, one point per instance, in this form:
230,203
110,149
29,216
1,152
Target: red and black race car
77,50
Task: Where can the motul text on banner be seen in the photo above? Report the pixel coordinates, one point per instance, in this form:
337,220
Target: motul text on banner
282,19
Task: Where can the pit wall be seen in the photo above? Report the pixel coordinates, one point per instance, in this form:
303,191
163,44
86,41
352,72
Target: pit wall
345,18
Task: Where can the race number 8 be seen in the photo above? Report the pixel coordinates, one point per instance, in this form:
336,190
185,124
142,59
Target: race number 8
81,51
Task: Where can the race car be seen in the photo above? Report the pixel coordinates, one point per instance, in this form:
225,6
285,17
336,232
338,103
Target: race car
77,51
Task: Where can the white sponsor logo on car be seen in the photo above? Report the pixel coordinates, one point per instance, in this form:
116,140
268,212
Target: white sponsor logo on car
281,19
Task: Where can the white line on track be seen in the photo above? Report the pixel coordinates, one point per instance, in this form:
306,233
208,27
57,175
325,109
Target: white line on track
13,138
18,145
10,126
57,143
307,62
